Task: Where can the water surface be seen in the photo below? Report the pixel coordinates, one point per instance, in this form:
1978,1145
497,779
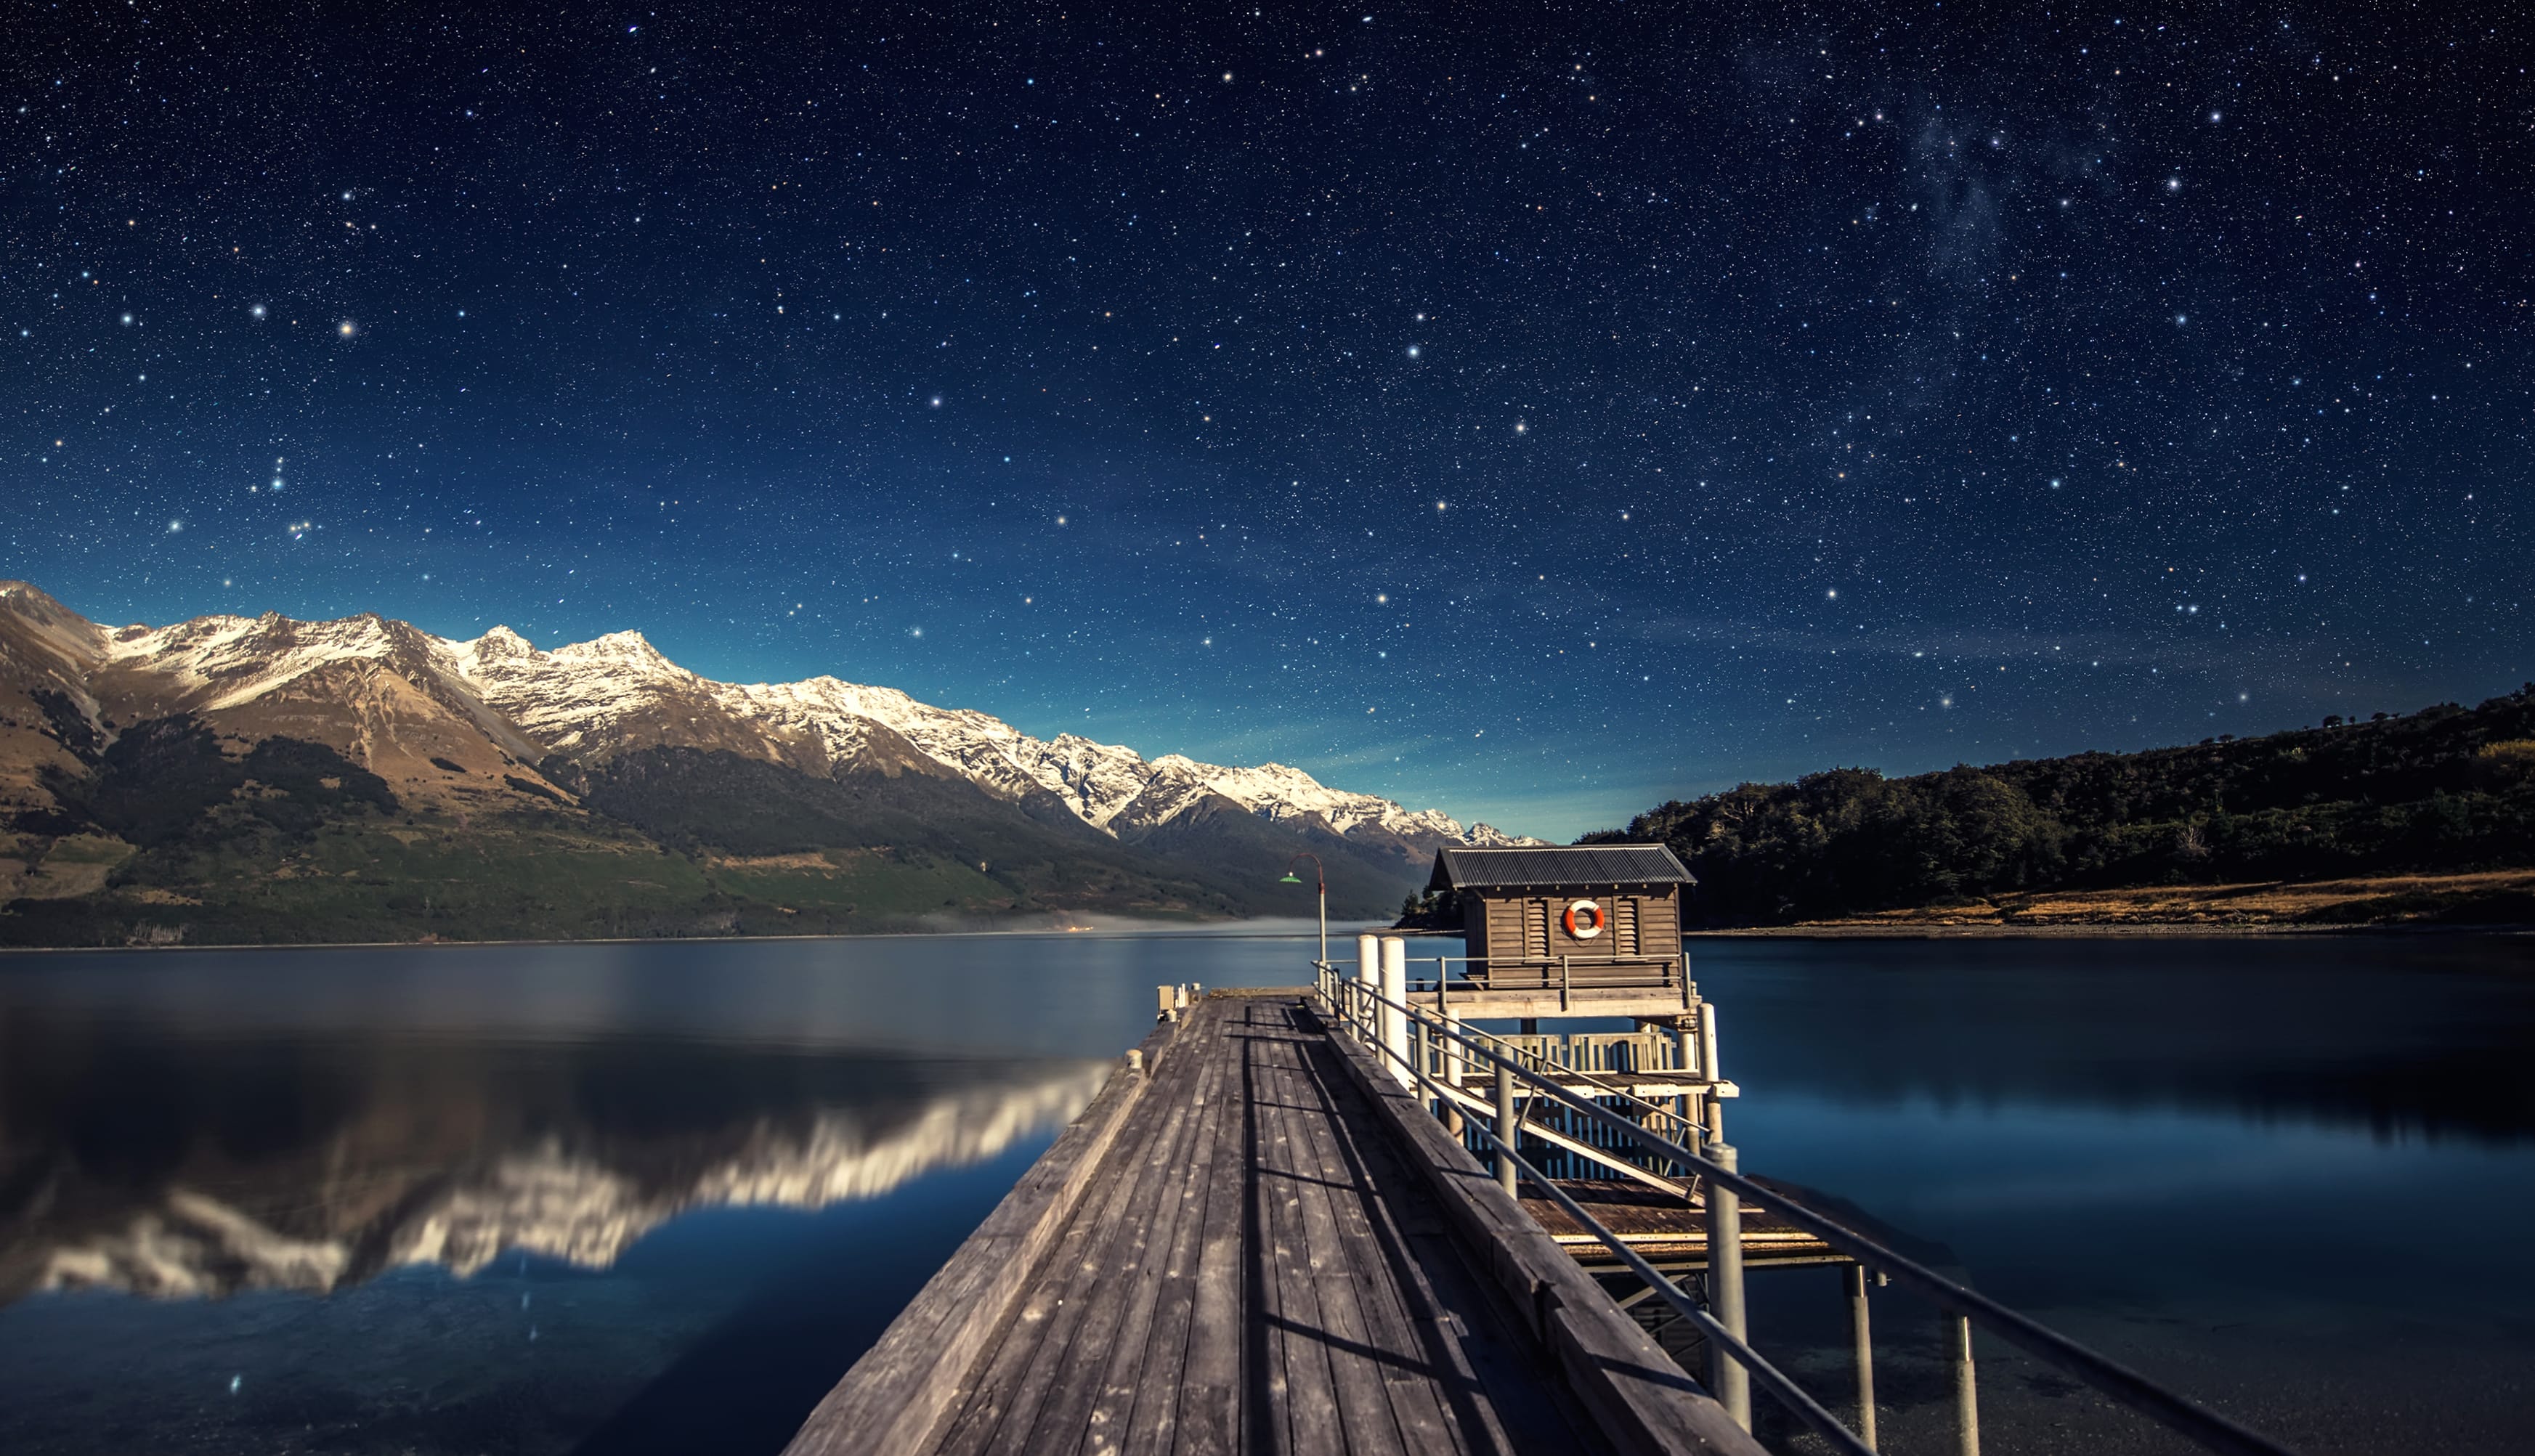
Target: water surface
2287,1174
636,1198
601,1198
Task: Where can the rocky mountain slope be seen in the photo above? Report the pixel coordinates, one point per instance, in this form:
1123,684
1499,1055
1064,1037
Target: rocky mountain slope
207,778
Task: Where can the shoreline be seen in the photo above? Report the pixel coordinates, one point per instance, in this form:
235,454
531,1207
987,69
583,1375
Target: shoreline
2153,930
1822,930
1261,927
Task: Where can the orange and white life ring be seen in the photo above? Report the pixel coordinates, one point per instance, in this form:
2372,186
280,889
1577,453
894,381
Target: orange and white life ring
1585,919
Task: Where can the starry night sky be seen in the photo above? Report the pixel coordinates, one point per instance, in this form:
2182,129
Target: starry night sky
1537,414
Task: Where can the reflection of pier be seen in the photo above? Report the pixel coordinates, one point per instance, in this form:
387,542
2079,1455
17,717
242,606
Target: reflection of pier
1288,1224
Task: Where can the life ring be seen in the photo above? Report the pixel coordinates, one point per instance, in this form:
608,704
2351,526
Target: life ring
1586,919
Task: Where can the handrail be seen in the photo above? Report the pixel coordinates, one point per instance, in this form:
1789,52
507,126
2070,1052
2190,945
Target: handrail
1771,1378
1548,1068
2177,1412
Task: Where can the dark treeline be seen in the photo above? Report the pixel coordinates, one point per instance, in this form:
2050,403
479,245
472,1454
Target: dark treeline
2447,788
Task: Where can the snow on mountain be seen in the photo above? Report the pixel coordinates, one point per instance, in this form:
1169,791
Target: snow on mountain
616,693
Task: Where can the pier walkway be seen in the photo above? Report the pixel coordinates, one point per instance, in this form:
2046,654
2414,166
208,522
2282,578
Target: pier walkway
1270,1232
1252,1257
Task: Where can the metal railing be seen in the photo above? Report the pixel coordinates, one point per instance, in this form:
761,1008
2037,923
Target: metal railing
1385,1024
1564,974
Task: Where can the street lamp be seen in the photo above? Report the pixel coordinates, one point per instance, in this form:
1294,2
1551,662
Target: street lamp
1322,875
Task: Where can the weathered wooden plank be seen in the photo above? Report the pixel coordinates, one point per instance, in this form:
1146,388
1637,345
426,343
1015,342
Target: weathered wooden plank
1016,1378
1358,1397
1140,1392
897,1396
1121,1280
1299,1386
1372,1266
1207,1411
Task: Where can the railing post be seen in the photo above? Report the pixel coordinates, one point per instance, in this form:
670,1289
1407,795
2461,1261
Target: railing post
1368,975
1455,1066
1707,1073
1417,1067
1683,1049
1966,1397
1563,985
1394,992
1726,1376
1864,1338
1507,1133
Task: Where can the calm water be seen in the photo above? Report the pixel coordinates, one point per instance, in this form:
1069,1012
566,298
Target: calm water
656,1198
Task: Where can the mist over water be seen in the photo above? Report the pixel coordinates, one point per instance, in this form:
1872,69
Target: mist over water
656,1197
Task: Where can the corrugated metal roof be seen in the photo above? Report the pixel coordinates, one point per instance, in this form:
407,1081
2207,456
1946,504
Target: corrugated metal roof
1572,865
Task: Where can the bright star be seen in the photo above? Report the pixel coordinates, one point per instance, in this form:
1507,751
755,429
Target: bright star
344,328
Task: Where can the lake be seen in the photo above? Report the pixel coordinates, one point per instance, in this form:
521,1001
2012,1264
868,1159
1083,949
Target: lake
656,1197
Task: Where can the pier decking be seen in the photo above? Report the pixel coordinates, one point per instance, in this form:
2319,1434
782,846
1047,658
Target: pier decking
1262,1245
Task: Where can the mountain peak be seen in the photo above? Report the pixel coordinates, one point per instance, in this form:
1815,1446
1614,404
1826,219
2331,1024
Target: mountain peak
618,648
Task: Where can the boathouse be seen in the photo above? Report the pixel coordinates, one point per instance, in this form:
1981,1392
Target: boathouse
1587,915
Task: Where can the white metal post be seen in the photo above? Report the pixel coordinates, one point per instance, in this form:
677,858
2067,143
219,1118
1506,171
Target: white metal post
1726,1376
1862,1337
1395,1021
1456,1064
1508,1132
1966,1394
1715,1110
1368,975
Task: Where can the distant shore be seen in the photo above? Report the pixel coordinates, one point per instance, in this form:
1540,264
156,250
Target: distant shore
2501,900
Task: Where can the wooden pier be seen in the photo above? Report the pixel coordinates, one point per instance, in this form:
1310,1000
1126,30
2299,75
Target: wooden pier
1255,1240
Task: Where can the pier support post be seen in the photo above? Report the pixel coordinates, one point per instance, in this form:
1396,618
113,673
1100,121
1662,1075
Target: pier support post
1368,974
1966,1395
1508,1134
1863,1336
1728,1379
1395,1021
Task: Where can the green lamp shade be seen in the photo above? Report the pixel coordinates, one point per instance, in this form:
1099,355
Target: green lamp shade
1289,878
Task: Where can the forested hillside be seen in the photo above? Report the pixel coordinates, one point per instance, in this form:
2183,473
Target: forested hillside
2448,788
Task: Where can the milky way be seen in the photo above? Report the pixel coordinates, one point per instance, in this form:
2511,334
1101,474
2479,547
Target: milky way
1539,413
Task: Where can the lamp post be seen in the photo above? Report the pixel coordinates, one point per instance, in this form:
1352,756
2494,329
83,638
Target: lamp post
1322,875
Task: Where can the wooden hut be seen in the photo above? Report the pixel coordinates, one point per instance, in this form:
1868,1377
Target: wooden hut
1574,918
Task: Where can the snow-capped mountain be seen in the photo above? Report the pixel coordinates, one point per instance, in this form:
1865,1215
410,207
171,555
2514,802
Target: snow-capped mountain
496,726
609,694
616,693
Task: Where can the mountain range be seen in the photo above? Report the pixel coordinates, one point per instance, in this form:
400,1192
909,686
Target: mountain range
255,780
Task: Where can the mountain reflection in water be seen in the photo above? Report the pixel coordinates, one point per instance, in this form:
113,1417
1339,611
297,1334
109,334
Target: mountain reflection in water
228,1168
610,1200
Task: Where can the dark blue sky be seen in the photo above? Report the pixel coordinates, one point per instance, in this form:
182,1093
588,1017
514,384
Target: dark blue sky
1539,413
